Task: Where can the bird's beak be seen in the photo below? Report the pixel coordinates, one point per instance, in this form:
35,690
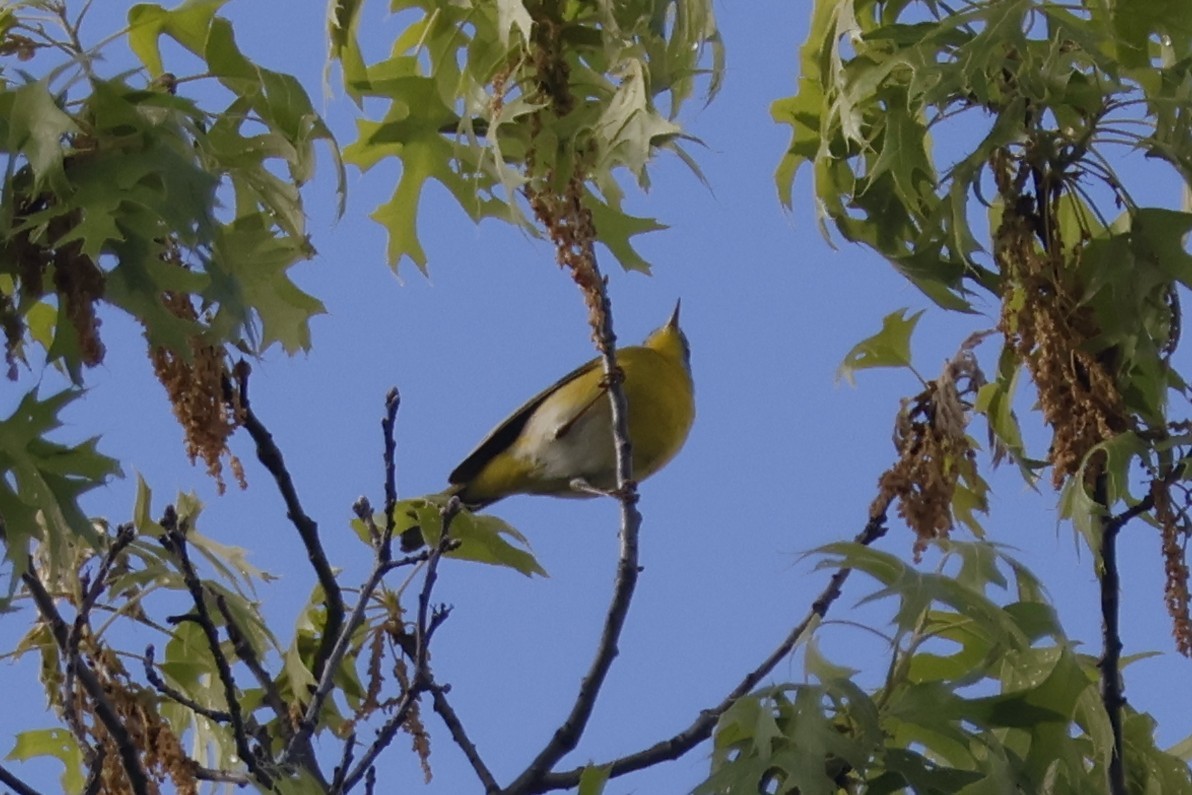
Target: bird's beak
674,318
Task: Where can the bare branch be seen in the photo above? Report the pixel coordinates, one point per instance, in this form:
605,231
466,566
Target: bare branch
271,458
174,541
1147,503
124,536
17,786
384,564
701,728
427,622
392,403
222,776
326,683
129,758
447,714
219,716
1111,641
248,655
345,762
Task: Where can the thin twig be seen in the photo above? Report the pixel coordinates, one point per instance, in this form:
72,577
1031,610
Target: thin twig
345,762
17,786
222,776
174,541
1147,503
94,782
384,564
1111,641
271,458
701,728
125,534
460,735
129,757
248,655
384,737
427,622
326,683
392,403
216,715
92,592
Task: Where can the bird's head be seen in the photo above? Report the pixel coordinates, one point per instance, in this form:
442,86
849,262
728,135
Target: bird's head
670,341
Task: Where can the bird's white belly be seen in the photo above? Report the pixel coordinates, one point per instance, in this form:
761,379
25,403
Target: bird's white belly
562,446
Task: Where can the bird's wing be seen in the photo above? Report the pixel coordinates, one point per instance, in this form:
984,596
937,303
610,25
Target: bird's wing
501,437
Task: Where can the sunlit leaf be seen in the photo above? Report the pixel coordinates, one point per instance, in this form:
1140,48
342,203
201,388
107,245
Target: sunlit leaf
890,347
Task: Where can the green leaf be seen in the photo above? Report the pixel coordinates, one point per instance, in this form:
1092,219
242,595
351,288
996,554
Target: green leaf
615,229
905,767
250,281
629,125
890,347
512,15
36,128
903,155
482,537
188,24
57,743
463,71
593,779
41,481
412,131
141,518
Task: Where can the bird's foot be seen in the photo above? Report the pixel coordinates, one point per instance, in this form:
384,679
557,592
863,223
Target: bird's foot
584,487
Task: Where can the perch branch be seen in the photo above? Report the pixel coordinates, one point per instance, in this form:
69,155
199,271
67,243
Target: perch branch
567,736
392,403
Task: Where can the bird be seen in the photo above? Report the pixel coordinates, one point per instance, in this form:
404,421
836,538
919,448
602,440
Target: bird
560,441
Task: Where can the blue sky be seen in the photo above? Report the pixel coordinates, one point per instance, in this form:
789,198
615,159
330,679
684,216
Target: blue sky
782,457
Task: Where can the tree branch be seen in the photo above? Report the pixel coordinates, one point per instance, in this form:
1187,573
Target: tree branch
174,541
701,728
1147,503
587,274
248,655
326,684
1111,642
129,758
392,403
308,530
215,715
17,786
456,727
383,546
428,620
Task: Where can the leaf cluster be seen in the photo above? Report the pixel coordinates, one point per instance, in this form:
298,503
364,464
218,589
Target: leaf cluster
913,117
497,100
981,692
121,192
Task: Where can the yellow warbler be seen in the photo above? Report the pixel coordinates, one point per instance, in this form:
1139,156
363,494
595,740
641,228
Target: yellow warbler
564,433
